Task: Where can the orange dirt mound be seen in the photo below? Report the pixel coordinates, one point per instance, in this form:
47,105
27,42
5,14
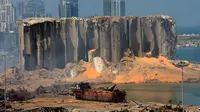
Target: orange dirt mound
90,72
160,68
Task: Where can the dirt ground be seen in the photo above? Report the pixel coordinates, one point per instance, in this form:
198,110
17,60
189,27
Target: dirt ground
71,103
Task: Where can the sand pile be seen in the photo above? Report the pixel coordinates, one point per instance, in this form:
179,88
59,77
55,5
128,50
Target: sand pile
156,69
138,71
90,72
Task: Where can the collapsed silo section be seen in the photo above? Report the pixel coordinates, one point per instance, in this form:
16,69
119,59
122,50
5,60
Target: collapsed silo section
60,40
104,37
29,48
119,41
82,39
93,43
136,36
71,40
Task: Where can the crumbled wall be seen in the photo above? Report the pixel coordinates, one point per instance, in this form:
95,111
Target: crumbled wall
50,42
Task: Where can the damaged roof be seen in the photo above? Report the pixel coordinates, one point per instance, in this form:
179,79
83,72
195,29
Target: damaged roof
32,21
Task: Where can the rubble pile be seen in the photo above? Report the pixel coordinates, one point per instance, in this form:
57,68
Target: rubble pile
167,108
62,89
19,95
16,95
127,61
71,70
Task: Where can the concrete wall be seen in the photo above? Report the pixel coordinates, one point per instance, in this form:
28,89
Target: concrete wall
50,43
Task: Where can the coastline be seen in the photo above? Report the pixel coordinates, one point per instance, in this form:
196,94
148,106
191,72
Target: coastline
188,47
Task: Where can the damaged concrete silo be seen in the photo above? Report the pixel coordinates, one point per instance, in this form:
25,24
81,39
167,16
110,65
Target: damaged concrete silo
51,43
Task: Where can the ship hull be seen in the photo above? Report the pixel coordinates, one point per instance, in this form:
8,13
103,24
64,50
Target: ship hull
100,95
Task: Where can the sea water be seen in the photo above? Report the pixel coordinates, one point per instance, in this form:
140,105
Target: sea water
190,54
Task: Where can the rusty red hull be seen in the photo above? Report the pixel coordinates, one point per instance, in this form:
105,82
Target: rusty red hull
100,95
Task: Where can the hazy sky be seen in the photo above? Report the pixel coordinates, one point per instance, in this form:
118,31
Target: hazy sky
185,12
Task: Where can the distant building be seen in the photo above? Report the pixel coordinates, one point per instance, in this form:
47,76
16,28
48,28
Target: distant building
107,7
31,8
114,7
64,8
21,9
122,8
68,8
7,16
74,8
35,8
48,15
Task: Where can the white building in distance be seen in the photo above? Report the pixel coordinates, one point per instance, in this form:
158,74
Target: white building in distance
7,16
114,7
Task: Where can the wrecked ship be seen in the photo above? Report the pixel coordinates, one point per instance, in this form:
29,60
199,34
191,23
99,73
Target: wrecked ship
85,92
51,42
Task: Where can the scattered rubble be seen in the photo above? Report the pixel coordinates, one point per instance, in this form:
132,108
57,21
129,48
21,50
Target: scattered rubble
64,89
16,95
59,104
166,108
9,108
48,109
71,70
19,95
